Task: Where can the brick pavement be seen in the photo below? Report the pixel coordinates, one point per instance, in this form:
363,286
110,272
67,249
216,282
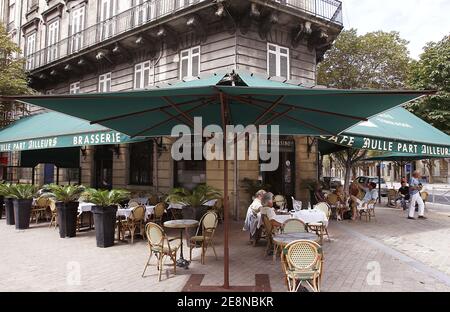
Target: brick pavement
389,254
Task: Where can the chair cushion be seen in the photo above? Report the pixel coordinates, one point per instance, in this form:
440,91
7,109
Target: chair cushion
174,245
198,238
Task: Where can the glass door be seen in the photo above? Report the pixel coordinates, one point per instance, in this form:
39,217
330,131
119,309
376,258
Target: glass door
52,41
103,163
77,24
107,10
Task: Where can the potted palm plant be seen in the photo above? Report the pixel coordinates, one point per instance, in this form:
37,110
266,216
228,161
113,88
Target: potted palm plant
193,201
66,198
22,195
5,191
105,209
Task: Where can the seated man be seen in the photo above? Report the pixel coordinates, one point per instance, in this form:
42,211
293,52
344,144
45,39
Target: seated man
268,210
319,196
371,194
251,219
403,194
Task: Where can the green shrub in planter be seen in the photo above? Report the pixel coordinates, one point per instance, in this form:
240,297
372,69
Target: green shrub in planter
22,195
66,198
105,210
193,201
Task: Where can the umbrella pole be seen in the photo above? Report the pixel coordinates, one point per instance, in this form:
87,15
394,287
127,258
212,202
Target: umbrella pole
379,181
226,263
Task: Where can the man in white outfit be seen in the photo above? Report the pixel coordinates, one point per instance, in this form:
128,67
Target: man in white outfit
414,194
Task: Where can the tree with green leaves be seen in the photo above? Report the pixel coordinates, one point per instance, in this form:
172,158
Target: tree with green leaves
432,72
377,60
13,79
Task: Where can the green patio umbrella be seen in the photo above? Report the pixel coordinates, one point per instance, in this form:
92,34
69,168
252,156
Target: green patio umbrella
227,99
397,133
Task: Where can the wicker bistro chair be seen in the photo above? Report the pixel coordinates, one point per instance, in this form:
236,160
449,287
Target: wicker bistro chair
54,213
40,208
134,221
160,245
158,213
391,198
319,228
218,208
302,262
133,203
290,226
424,196
268,230
368,211
153,200
208,225
332,201
294,226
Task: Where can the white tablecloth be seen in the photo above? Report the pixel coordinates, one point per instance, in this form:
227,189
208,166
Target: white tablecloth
85,207
126,212
307,216
180,206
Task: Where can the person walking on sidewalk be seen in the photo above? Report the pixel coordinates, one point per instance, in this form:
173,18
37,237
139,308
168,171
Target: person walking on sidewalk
414,193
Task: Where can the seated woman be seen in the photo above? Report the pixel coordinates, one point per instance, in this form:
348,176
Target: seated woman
319,196
268,210
342,203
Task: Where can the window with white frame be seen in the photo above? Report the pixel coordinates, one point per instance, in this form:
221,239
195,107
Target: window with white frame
74,88
104,83
190,62
30,49
52,40
12,11
142,75
76,28
277,61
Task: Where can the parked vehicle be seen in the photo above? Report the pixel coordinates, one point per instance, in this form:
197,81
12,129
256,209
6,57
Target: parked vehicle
364,180
331,183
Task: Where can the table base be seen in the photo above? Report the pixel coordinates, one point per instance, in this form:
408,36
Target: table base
183,263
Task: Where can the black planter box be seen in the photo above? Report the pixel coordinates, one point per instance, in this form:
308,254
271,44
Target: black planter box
2,204
22,212
105,224
67,218
9,211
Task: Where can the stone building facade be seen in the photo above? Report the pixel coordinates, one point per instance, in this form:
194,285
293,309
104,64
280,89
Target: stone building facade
88,46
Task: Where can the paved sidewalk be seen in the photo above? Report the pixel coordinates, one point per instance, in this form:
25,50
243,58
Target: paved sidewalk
389,254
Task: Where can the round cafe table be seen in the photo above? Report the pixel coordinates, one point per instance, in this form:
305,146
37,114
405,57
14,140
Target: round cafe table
182,224
284,239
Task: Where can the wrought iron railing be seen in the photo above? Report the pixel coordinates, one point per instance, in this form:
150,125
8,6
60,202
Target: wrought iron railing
132,18
330,10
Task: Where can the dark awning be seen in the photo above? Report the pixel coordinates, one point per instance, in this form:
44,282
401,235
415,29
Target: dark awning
60,157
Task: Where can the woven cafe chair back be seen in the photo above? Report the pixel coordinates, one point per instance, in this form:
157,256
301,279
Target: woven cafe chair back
294,226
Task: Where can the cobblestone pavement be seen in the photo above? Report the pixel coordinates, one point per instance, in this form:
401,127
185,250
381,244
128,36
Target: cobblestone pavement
389,254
